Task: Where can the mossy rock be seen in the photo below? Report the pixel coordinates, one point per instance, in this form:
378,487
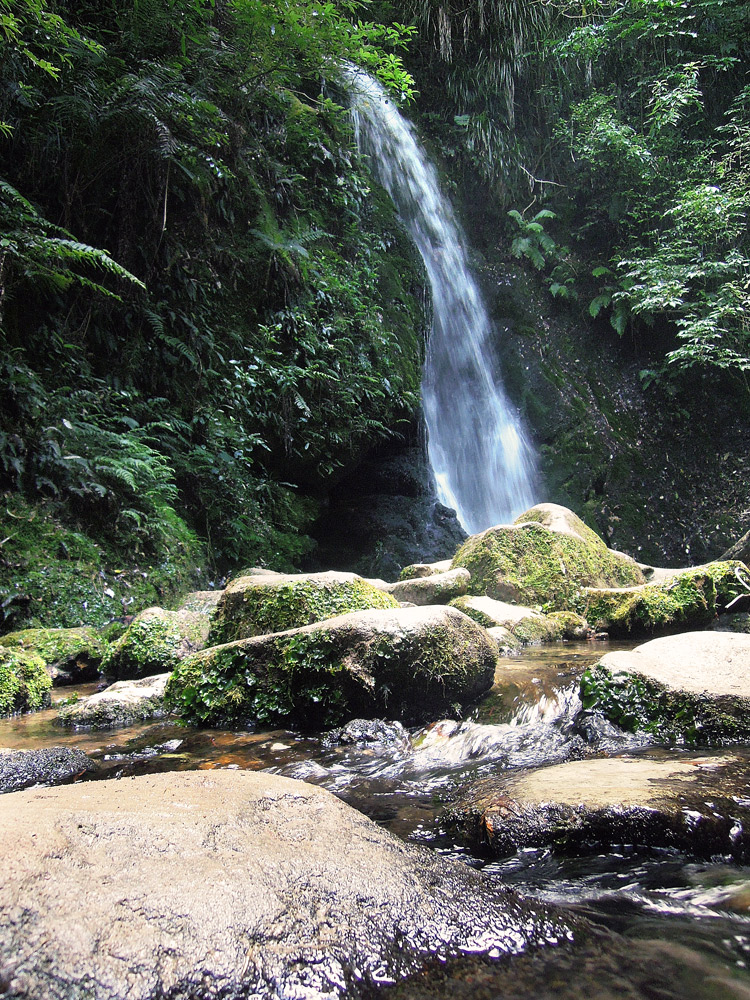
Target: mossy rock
690,599
689,688
531,564
155,642
71,655
560,520
416,571
24,682
571,625
403,663
260,605
437,588
121,704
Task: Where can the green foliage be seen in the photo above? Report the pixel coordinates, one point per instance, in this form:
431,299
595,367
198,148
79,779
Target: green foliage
24,682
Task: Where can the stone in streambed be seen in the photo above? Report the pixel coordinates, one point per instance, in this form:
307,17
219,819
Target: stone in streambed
403,663
155,642
24,682
120,704
71,655
260,604
232,884
688,803
437,588
693,687
528,625
531,563
416,570
686,598
47,766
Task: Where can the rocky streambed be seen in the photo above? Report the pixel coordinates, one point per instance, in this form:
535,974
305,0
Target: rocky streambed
301,787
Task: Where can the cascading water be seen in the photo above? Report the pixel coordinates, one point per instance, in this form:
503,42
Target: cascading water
483,463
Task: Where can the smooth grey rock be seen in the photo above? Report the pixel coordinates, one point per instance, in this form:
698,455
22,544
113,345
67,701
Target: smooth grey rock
120,704
232,884
438,588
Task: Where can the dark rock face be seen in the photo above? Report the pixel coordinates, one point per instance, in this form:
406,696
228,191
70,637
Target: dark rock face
365,732
695,804
229,885
49,766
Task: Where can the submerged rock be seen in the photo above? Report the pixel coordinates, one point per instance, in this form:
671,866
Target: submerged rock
261,604
232,884
24,682
693,687
695,804
46,766
121,704
404,663
71,655
530,563
156,641
688,598
437,588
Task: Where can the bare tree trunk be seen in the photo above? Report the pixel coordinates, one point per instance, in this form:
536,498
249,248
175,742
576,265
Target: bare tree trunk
740,549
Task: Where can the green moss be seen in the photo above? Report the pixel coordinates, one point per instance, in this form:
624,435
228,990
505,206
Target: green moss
532,565
689,599
536,629
54,576
24,682
571,625
639,704
464,604
252,607
76,649
155,643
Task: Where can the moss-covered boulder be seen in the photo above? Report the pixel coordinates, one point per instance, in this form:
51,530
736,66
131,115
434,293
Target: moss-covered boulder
120,704
528,625
201,602
71,655
155,642
530,563
416,570
437,588
24,682
689,599
261,604
403,663
692,688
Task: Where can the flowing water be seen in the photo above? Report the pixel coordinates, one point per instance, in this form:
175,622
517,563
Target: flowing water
480,455
684,912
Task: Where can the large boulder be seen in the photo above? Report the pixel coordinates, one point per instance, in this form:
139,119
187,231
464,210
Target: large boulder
403,663
687,598
232,884
24,682
436,588
688,803
155,642
260,604
531,563
120,704
71,655
693,687
528,625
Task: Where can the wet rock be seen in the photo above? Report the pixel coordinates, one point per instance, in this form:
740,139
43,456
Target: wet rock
437,588
48,766
71,655
263,604
693,687
404,663
529,563
688,598
232,884
24,682
528,625
121,704
696,804
733,623
449,742
507,644
364,732
155,642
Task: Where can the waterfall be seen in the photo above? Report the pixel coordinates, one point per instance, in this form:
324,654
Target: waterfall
481,458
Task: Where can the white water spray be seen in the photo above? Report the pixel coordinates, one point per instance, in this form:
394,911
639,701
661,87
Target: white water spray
483,462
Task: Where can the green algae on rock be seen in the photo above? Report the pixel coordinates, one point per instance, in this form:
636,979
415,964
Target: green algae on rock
689,688
155,642
691,598
530,563
120,704
262,604
401,663
436,588
71,655
24,682
528,625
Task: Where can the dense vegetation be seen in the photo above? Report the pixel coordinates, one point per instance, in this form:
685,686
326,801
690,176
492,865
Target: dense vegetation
254,324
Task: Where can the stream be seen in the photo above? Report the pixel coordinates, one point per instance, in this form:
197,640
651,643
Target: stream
402,781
